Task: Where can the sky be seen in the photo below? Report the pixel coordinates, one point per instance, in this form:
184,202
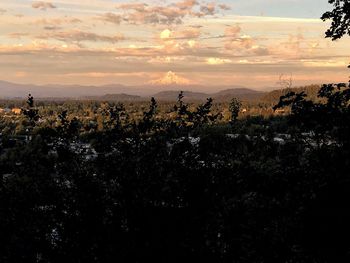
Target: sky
162,42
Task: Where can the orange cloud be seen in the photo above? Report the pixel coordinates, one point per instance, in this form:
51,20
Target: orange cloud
217,61
43,5
111,18
224,7
57,21
141,13
79,36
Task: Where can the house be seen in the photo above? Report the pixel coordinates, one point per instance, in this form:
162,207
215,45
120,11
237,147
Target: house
244,110
16,111
2,110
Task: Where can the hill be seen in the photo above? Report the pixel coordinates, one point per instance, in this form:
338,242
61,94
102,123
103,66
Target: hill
274,96
12,90
115,97
172,95
243,94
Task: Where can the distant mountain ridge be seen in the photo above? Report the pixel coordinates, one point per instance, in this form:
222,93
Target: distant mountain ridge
171,95
240,93
121,92
115,97
117,92
11,90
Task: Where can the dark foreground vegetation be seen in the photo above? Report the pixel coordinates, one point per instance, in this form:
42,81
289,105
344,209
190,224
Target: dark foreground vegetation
186,187
114,185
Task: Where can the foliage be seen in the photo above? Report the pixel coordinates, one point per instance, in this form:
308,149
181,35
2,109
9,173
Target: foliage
340,17
31,112
323,119
153,192
235,107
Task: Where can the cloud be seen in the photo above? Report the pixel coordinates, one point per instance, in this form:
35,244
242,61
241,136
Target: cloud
260,51
107,74
2,11
80,36
160,60
111,18
165,34
21,74
217,61
244,44
49,28
38,48
324,63
187,4
225,7
192,43
239,42
186,34
190,33
133,6
57,21
170,14
17,35
232,31
43,5
208,9
294,42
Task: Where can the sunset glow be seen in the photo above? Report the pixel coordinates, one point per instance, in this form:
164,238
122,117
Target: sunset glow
183,42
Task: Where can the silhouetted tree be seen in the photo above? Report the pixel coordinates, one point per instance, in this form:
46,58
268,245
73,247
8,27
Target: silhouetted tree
340,17
31,112
203,114
234,107
148,119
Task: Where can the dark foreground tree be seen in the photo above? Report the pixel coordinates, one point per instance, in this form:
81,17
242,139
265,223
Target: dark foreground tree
340,18
31,112
234,107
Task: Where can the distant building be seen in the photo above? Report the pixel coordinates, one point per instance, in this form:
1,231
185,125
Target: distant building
280,111
244,110
16,111
2,110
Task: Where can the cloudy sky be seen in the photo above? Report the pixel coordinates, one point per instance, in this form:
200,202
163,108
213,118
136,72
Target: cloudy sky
159,42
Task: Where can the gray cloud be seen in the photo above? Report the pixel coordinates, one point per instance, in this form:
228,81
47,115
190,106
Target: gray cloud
111,18
43,5
57,21
224,7
208,9
81,36
49,28
142,13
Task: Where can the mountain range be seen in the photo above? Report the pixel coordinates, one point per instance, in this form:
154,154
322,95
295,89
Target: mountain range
126,93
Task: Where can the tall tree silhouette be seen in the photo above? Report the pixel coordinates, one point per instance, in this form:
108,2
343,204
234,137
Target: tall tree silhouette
340,17
31,112
234,107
